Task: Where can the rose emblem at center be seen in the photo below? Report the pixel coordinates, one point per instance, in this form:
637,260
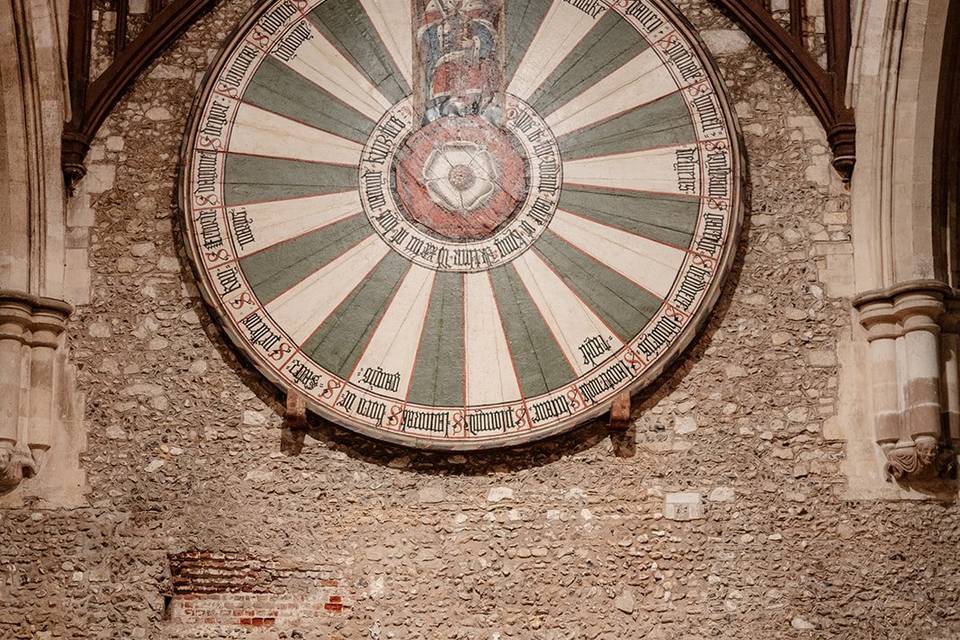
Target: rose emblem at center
460,177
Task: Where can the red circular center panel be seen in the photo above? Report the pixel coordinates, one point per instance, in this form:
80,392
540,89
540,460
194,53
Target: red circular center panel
460,192
460,178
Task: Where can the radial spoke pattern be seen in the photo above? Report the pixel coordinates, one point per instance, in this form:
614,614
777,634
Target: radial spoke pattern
283,221
337,344
392,350
344,23
258,178
600,54
662,218
438,374
311,220
280,89
260,132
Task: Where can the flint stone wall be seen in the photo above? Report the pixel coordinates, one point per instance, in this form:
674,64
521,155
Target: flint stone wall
562,539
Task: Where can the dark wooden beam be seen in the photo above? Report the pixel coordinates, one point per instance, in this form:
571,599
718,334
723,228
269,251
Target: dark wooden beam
295,415
152,7
837,16
106,89
91,102
74,147
120,30
97,98
842,135
824,89
796,19
787,52
620,411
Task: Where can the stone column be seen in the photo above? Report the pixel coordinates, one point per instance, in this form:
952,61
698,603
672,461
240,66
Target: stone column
14,318
882,333
908,373
31,374
950,372
40,409
919,313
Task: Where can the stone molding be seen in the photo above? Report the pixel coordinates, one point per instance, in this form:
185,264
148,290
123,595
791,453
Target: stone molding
36,383
912,336
897,51
909,314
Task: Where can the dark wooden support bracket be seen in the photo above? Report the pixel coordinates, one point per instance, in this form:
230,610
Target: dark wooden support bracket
622,434
294,429
620,412
295,416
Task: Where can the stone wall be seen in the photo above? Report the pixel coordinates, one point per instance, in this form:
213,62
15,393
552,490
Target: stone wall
576,537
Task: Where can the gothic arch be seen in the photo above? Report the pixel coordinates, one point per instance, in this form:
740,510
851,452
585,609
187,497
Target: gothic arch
946,176
894,92
903,68
38,409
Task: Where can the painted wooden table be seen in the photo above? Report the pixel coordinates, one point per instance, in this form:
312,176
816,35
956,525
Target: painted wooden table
462,224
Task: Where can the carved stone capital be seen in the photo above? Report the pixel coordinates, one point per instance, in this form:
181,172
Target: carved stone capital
880,320
903,326
32,319
908,459
908,306
32,368
15,465
919,311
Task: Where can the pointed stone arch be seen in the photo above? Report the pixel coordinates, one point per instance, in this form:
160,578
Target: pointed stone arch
900,72
39,409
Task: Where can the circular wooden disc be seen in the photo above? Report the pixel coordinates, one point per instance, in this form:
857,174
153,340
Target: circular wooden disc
461,224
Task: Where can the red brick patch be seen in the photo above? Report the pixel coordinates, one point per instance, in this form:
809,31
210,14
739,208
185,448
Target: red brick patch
236,589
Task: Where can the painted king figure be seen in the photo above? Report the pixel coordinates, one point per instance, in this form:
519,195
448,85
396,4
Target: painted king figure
458,43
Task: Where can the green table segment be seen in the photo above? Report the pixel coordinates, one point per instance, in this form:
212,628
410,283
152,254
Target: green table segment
462,224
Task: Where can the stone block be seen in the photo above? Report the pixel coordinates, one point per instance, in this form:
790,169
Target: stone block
837,274
724,42
99,178
722,494
431,494
158,114
77,276
684,424
809,125
114,143
836,217
683,506
822,358
170,72
97,153
832,248
625,602
77,238
109,21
